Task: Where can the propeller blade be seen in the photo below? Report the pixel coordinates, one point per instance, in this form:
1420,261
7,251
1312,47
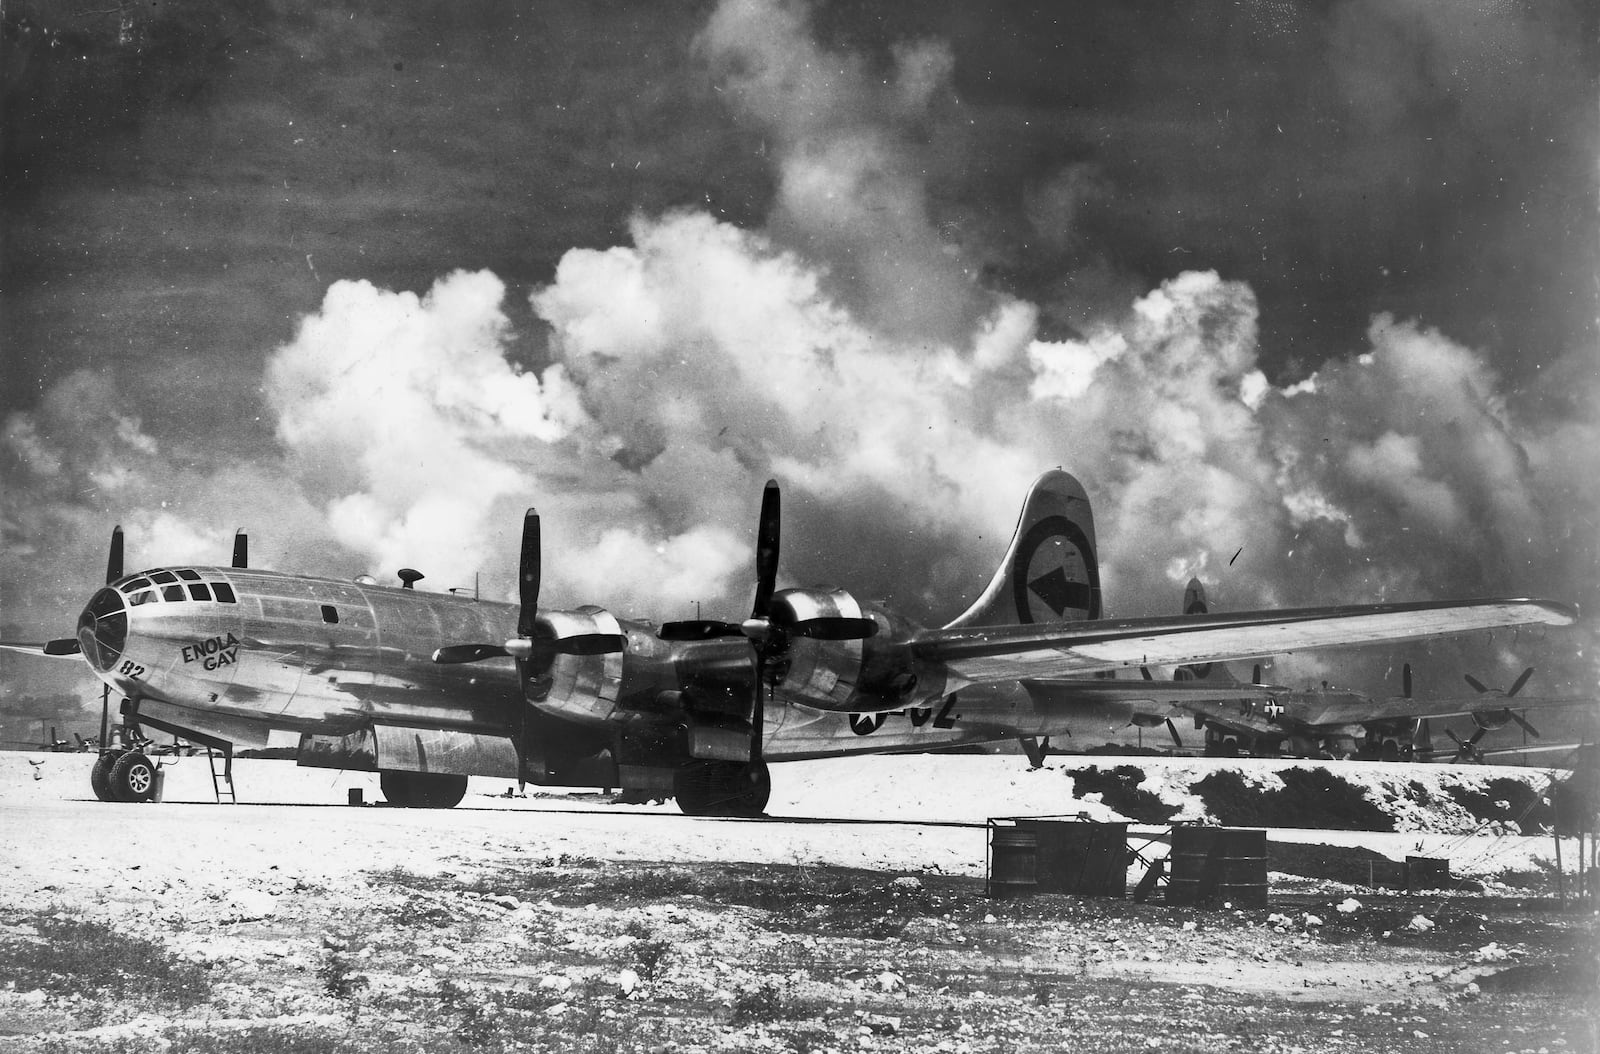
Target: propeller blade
241,548
63,646
766,549
832,627
1405,680
1458,740
1177,740
1523,723
1477,685
698,629
1255,674
1144,671
1516,686
528,574
459,653
114,556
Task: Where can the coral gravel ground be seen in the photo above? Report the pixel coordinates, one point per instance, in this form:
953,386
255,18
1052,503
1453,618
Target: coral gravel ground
191,927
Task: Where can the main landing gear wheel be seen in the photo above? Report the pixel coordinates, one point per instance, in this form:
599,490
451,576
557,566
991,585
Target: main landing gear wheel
422,790
722,788
132,777
100,775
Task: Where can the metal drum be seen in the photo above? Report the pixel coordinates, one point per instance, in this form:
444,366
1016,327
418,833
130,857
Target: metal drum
1089,859
1227,864
1191,847
1424,872
1242,867
1013,862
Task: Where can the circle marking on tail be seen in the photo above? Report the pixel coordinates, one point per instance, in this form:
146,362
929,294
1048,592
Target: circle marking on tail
1055,571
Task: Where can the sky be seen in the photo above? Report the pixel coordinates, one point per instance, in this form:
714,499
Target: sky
1306,295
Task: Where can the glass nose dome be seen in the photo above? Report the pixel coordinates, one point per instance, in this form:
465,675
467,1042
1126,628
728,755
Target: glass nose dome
103,629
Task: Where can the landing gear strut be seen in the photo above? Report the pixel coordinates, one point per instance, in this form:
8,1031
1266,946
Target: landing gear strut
722,788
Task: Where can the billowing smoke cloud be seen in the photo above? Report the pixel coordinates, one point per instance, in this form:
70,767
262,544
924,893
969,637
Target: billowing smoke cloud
850,149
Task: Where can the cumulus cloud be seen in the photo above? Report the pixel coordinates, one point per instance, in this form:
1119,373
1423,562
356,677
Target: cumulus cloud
845,348
402,410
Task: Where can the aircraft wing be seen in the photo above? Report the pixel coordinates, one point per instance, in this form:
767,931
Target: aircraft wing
1351,712
1066,649
1157,695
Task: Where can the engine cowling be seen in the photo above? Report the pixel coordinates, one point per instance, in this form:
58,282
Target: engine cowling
575,685
1490,720
853,676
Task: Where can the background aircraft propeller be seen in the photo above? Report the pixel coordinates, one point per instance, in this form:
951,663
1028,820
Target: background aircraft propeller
1516,686
1172,729
1467,749
241,549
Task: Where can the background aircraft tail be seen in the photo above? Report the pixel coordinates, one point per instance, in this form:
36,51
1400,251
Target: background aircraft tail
1050,572
1194,603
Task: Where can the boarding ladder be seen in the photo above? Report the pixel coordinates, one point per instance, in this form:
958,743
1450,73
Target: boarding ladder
222,782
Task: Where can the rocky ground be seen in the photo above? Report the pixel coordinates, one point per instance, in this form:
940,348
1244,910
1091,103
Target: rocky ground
591,928
581,954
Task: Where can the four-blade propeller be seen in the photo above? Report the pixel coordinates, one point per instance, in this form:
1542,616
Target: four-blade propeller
1516,686
530,644
771,626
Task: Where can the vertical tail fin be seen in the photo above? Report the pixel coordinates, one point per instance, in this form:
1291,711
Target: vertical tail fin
1194,603
1050,572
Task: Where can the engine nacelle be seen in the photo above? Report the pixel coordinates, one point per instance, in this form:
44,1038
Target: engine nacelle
875,674
575,685
1490,720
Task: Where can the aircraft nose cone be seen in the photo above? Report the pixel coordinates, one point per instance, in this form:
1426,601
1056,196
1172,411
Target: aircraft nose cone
103,629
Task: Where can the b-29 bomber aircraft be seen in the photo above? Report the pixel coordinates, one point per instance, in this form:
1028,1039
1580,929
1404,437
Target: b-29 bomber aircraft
430,688
1337,722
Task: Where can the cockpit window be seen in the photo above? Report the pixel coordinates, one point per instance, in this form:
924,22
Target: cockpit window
172,593
224,593
147,597
137,583
163,576
189,576
200,591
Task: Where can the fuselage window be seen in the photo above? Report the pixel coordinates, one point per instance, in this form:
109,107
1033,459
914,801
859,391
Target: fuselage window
172,593
224,593
137,583
147,597
189,576
200,591
163,576
330,614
